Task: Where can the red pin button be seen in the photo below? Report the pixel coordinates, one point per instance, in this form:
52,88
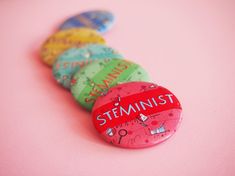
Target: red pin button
136,114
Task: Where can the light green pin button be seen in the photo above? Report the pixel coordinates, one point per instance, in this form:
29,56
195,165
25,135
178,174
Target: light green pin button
96,78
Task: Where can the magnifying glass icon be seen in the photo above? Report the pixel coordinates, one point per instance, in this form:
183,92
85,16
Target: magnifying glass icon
122,133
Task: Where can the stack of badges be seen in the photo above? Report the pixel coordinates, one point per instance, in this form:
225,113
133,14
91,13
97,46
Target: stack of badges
127,110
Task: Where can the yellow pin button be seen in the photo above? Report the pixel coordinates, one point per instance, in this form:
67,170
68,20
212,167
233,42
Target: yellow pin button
65,39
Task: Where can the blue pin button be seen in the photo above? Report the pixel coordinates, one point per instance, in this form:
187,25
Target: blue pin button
99,20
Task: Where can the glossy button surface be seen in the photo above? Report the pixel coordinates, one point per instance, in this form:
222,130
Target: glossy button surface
136,115
63,40
72,60
99,20
96,78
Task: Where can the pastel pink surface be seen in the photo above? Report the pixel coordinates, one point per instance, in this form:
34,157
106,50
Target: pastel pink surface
186,46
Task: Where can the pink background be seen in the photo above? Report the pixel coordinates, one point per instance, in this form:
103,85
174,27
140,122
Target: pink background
186,46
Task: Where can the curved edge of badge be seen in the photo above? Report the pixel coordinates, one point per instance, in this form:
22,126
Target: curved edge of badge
109,115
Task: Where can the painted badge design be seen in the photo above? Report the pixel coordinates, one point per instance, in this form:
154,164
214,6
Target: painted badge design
72,60
63,40
97,77
99,20
136,115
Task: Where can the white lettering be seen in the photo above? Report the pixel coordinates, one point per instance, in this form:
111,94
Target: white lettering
107,113
160,97
142,104
130,107
169,96
154,101
114,110
101,119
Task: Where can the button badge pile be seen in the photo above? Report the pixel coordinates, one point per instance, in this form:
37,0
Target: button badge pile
127,110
